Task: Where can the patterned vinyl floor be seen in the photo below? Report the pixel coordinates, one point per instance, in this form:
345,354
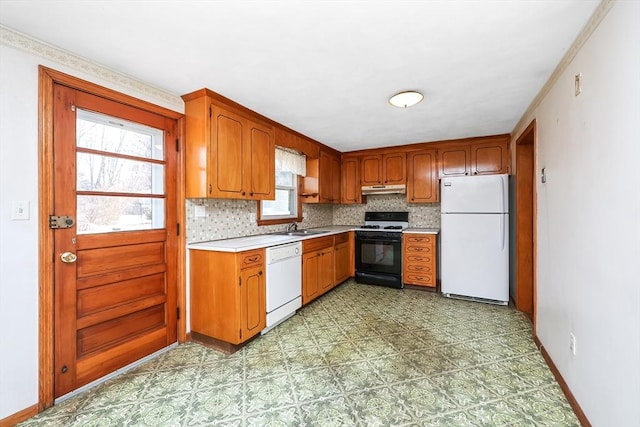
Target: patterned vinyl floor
359,356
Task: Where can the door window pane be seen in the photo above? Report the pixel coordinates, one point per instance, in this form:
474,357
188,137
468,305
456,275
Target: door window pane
114,174
114,135
104,214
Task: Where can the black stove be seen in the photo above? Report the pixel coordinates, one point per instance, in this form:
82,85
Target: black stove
379,248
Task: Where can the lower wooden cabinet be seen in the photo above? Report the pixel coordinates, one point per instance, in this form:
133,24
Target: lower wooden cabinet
342,258
227,294
419,263
326,262
317,267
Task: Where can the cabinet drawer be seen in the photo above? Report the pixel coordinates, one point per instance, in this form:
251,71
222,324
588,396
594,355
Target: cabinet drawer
341,238
418,249
418,268
419,279
316,243
419,239
251,258
422,258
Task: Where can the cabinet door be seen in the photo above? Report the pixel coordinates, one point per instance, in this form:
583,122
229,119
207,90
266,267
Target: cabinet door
227,154
351,192
325,182
341,262
394,168
489,157
253,308
455,160
422,184
371,170
335,179
310,278
261,162
326,270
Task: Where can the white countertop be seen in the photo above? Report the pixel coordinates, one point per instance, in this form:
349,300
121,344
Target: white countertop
422,230
239,244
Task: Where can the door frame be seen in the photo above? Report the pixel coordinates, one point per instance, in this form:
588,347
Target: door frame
47,78
526,221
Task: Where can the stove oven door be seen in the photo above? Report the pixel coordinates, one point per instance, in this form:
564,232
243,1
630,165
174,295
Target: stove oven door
379,254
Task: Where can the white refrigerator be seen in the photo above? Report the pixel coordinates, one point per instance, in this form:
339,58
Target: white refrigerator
475,237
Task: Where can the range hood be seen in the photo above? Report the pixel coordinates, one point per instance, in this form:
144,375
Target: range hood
384,189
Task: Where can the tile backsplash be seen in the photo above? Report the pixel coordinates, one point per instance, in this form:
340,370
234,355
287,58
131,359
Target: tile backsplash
231,218
420,215
225,218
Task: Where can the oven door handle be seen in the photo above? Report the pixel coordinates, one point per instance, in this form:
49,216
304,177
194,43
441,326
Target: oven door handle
374,240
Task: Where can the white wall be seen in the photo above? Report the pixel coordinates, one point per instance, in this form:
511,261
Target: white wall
589,221
19,239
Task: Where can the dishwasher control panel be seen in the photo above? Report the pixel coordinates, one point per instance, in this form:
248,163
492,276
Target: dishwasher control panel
280,252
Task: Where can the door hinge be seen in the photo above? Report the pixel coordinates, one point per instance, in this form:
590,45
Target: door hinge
239,281
178,229
177,313
177,145
210,112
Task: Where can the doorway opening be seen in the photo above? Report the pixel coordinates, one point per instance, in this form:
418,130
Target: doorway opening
525,292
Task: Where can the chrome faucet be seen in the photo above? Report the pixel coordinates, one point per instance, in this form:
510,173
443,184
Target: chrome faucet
292,227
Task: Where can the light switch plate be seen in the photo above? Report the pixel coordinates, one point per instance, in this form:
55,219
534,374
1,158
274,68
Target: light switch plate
20,210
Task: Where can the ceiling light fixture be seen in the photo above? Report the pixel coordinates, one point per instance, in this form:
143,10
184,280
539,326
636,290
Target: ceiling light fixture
406,99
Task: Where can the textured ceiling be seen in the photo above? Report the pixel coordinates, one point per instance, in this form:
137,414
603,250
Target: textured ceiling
327,68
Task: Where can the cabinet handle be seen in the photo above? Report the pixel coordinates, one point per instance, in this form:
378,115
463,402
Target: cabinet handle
243,193
260,272
475,173
255,258
210,188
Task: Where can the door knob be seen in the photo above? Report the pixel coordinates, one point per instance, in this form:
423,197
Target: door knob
68,257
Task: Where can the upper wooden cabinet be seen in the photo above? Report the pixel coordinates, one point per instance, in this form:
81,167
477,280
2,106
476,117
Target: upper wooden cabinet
484,156
351,188
491,157
322,183
422,179
228,152
387,169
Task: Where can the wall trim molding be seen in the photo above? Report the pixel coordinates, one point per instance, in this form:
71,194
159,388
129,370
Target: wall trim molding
582,418
598,15
25,43
19,416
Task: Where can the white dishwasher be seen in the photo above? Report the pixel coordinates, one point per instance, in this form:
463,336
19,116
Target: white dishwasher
284,283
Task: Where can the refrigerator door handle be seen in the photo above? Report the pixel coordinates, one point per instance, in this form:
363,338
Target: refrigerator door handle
502,234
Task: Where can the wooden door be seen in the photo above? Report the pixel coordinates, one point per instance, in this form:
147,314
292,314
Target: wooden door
252,302
394,168
422,185
310,279
261,168
454,160
371,169
489,157
351,191
115,267
227,154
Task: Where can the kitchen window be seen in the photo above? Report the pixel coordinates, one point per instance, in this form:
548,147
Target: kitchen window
287,206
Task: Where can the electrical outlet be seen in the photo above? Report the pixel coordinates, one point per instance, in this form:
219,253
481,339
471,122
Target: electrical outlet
252,217
200,211
572,343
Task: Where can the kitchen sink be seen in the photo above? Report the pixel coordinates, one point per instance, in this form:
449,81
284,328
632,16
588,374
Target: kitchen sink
300,232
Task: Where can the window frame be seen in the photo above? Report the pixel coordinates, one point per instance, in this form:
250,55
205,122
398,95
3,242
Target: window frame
287,220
